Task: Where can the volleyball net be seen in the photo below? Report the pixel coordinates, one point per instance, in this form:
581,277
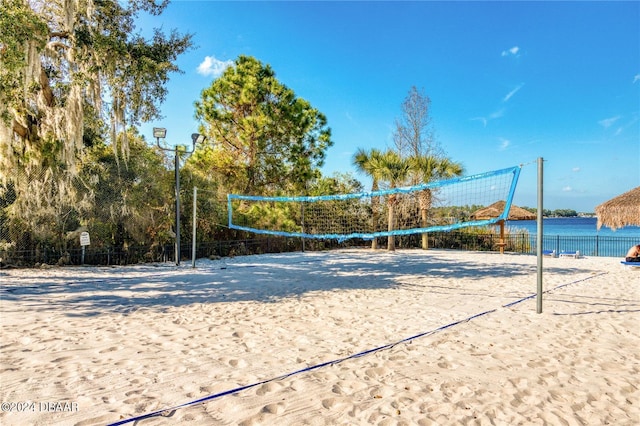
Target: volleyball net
436,206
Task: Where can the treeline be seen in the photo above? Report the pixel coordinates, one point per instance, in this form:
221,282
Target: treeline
554,213
76,81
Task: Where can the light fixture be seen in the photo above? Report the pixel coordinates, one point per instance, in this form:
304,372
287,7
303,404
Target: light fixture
159,132
198,138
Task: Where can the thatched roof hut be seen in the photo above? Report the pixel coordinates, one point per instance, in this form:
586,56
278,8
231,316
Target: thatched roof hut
621,211
495,209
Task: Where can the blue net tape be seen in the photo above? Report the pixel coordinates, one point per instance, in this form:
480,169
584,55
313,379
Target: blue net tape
402,190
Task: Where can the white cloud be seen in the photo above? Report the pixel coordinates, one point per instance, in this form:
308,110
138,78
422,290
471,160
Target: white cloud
513,51
575,169
213,67
636,78
482,119
608,122
513,92
567,189
504,144
497,114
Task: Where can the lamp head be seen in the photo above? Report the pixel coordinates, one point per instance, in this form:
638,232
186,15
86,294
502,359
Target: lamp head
198,138
159,132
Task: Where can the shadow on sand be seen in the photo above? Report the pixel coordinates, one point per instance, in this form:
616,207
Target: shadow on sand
265,279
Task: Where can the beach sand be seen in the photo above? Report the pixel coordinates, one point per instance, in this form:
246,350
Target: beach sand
99,345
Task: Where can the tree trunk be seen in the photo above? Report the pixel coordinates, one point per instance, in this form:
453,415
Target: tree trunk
20,130
374,242
425,235
375,205
375,208
424,199
47,93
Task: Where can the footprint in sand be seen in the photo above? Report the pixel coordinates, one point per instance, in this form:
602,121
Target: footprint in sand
238,363
274,408
377,372
334,404
267,388
379,392
347,387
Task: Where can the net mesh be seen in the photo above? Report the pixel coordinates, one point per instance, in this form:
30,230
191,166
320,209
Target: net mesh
436,206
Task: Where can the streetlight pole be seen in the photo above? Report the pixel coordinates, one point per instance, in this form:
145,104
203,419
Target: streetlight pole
177,173
161,133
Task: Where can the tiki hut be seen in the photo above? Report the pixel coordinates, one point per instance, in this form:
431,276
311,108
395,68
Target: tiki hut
495,209
621,211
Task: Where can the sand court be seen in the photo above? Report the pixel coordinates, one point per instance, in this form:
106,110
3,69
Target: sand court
116,343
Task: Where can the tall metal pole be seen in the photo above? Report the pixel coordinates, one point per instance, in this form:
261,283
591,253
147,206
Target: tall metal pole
193,228
177,207
161,133
539,236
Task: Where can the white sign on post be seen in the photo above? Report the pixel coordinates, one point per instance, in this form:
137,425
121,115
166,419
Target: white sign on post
84,239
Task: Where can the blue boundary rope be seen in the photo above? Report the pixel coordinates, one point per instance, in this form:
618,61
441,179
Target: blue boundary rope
167,412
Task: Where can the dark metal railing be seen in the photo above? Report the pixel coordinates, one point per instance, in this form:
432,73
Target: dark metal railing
588,245
525,243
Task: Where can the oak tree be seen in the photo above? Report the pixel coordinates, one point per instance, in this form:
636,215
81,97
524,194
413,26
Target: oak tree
66,66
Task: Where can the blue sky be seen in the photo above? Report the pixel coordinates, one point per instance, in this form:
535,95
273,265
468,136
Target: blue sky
509,81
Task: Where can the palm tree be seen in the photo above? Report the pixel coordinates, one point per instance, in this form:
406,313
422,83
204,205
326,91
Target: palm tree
428,168
369,163
394,170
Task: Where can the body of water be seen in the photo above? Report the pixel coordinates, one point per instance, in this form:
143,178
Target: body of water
574,226
579,234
